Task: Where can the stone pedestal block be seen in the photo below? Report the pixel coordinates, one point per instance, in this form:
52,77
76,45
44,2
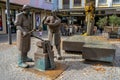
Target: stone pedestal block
44,56
72,46
74,43
42,62
99,52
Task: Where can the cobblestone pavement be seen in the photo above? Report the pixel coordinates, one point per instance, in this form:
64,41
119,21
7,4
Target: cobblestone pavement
77,68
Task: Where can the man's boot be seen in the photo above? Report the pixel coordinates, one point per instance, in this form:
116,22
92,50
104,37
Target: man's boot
59,57
21,63
26,58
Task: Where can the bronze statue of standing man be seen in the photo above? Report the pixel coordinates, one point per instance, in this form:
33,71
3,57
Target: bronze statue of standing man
23,23
53,23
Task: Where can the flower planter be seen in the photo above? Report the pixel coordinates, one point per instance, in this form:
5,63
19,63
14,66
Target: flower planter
113,35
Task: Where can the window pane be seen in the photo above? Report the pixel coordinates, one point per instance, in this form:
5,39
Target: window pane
102,1
65,1
116,1
88,1
77,2
66,4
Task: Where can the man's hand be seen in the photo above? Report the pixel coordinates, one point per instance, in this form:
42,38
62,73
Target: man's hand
34,30
25,34
46,23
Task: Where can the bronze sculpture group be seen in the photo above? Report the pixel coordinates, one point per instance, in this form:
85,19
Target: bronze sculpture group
24,29
23,23
53,23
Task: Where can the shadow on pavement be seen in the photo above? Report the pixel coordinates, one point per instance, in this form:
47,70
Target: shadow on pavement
92,62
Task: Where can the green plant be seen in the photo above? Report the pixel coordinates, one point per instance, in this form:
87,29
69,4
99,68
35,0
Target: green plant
114,21
102,22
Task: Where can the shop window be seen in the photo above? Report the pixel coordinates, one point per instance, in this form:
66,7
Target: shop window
116,1
102,1
77,2
1,27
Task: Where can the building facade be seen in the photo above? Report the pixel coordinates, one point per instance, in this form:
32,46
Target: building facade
55,5
75,8
39,9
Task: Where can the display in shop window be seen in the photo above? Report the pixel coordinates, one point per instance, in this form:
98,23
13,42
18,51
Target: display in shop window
37,21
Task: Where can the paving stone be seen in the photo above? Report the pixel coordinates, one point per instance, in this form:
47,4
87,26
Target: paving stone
77,68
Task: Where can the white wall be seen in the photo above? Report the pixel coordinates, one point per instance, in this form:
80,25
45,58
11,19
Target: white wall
83,3
109,2
96,3
71,4
60,6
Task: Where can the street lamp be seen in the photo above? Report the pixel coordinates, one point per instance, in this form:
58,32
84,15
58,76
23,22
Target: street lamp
8,21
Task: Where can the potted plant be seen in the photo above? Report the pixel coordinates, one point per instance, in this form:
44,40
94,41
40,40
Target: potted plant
114,22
